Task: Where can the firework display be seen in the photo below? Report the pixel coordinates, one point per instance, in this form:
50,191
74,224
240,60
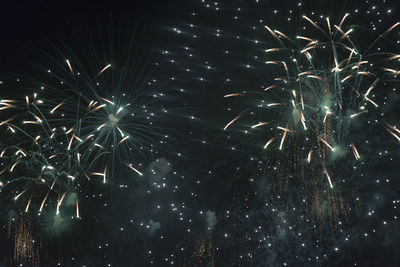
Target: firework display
66,134
201,133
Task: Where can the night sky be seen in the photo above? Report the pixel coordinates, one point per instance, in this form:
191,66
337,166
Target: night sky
199,133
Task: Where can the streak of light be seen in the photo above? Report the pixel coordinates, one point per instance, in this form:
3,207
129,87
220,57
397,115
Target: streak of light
309,156
344,17
101,126
390,29
43,201
312,22
123,140
77,207
20,194
14,165
355,151
120,131
269,142
328,177
118,111
28,204
393,134
70,67
232,121
269,87
59,202
346,34
234,94
99,107
281,34
106,67
20,151
99,146
259,124
305,38
272,32
329,25
273,104
134,169
6,121
272,50
56,107
326,143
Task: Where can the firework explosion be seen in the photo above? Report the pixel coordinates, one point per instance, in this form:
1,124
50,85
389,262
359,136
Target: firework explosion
67,135
322,89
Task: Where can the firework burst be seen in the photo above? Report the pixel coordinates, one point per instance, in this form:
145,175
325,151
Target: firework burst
325,84
79,127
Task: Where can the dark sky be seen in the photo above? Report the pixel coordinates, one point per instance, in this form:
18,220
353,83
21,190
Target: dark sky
24,25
